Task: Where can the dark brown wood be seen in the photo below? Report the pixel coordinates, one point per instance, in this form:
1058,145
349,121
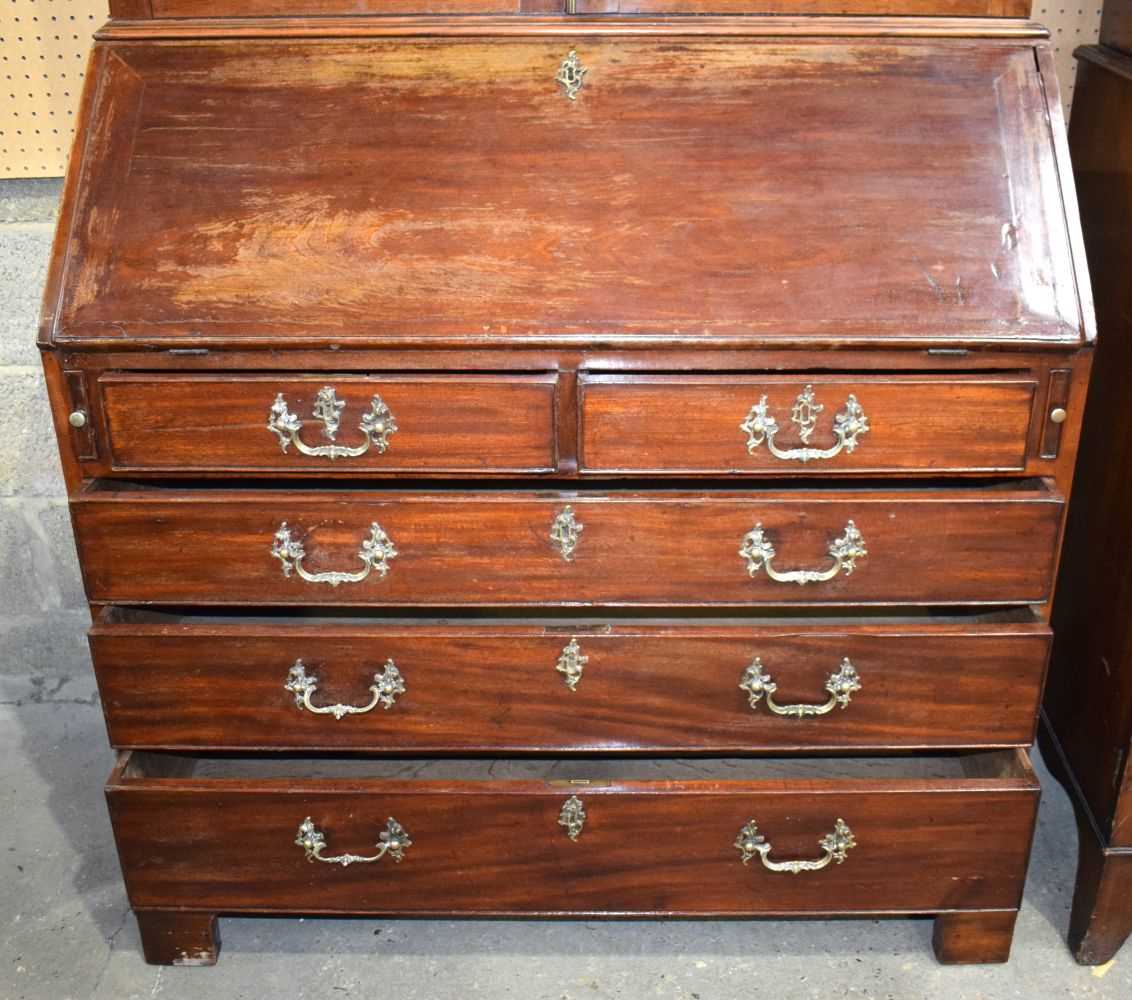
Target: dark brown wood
494,548
550,263
1101,920
187,683
445,423
1116,25
495,846
1090,699
178,937
309,8
984,937
131,8
628,424
1088,705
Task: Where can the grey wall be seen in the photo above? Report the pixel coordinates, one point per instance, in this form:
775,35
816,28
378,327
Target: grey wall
43,615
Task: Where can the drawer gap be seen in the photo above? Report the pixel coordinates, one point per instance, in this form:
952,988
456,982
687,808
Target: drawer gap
550,489
555,620
1006,764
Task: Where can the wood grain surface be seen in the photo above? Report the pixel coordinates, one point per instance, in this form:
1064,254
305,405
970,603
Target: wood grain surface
693,178
691,424
456,423
950,546
191,683
646,847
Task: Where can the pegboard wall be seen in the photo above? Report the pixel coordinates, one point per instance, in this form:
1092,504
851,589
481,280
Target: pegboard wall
44,46
1069,25
43,52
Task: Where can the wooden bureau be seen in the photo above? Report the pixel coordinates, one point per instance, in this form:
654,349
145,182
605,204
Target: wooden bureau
607,462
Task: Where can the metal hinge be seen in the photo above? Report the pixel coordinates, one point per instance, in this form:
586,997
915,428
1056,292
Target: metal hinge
571,6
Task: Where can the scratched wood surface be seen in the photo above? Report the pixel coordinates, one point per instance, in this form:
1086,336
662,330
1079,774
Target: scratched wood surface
681,197
414,201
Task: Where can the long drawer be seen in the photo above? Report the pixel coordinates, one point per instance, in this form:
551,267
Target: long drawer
511,836
813,425
513,547
459,423
728,685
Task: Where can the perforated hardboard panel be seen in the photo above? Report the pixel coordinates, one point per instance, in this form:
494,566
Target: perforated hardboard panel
44,46
1070,25
43,53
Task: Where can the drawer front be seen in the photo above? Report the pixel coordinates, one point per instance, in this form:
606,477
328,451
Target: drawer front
331,423
817,426
521,548
645,847
290,686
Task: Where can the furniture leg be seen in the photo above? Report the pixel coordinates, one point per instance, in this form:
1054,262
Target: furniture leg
178,937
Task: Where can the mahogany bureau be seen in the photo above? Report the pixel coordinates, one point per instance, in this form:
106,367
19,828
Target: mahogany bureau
597,462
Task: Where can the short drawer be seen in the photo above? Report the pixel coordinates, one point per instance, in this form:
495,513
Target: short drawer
500,836
523,548
819,425
330,423
728,685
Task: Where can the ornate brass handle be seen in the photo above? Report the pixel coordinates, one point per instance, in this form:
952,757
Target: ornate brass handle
758,551
835,846
848,425
376,551
841,685
385,687
377,424
392,841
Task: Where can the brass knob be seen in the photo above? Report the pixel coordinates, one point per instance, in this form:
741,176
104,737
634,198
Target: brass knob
77,419
1058,415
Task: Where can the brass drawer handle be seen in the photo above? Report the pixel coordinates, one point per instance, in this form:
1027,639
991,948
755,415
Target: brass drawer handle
376,551
377,424
841,685
835,846
848,425
758,551
385,687
392,841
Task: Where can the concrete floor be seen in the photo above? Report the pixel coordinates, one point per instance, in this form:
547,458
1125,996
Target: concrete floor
66,930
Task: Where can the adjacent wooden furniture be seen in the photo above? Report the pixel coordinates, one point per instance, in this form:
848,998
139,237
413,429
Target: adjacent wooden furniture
1088,709
505,449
